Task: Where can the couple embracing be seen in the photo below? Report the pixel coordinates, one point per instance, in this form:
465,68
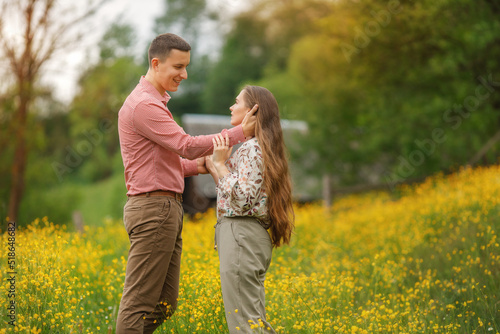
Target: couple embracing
254,203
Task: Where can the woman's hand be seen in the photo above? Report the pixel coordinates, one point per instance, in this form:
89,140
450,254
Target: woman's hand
222,152
211,168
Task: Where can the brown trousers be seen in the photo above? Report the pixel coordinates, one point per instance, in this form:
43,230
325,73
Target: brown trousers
154,226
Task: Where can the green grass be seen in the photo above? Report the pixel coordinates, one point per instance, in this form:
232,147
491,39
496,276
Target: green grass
103,200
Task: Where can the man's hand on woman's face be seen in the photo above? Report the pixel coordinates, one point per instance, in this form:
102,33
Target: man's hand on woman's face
248,123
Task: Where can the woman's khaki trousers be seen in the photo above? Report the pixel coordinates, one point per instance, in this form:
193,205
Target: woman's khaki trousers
245,251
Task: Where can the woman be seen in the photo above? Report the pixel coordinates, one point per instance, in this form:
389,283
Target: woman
253,195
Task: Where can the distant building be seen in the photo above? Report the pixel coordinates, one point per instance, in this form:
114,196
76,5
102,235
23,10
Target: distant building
200,193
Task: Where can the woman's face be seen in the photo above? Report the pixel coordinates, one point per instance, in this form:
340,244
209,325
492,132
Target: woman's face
238,110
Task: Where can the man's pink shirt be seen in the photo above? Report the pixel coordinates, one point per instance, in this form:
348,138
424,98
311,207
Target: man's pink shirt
152,143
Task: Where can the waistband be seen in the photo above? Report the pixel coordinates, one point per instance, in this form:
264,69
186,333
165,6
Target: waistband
237,219
222,220
169,193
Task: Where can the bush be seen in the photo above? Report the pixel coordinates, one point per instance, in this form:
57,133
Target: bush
57,203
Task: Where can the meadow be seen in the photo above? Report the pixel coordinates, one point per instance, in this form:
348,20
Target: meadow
425,259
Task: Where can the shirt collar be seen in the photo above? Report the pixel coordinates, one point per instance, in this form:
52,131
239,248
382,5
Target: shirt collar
152,90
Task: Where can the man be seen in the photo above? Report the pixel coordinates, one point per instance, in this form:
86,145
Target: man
152,145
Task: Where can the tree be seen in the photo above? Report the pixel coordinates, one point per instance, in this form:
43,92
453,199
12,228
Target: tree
243,59
94,110
397,91
46,27
188,19
258,45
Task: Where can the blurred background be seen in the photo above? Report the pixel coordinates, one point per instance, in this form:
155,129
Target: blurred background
382,93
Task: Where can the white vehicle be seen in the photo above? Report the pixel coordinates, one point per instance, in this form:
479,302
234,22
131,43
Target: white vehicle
200,193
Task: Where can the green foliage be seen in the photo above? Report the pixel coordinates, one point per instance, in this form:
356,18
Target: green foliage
67,149
94,110
184,16
6,151
45,193
117,42
46,128
57,203
392,90
187,19
103,199
243,58
59,200
397,90
258,45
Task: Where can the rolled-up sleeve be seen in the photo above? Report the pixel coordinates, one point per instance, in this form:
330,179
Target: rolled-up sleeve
189,167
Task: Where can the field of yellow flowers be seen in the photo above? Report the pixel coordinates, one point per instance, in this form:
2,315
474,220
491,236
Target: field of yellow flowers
426,260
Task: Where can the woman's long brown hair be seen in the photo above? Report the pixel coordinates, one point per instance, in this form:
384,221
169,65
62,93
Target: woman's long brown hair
277,182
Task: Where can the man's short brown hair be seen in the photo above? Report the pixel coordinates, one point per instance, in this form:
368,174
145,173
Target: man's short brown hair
162,45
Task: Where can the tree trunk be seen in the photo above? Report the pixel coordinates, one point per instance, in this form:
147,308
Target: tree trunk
19,163
17,186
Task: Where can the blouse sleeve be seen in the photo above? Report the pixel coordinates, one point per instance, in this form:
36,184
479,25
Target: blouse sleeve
242,187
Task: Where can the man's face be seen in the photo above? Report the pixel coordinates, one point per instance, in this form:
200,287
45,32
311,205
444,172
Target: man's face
173,70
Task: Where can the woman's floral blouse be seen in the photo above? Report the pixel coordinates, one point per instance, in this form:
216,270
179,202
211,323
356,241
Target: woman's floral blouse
241,192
